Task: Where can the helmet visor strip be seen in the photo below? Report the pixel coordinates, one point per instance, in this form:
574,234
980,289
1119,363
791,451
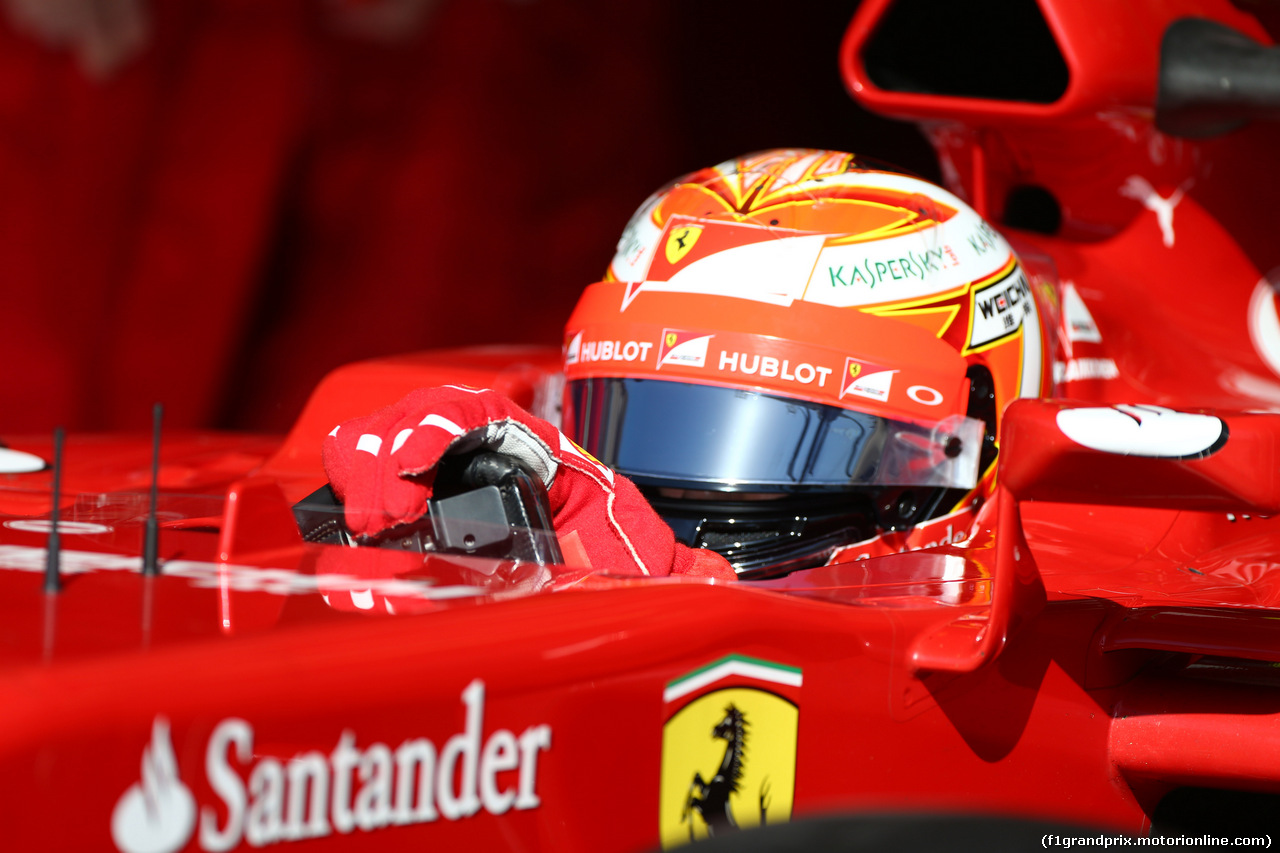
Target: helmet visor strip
693,436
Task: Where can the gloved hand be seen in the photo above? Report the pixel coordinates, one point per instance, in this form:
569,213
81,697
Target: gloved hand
382,467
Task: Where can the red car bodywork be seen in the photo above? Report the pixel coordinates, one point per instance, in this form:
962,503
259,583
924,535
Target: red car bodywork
1108,634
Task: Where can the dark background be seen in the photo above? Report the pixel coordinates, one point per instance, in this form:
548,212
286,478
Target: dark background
773,70
255,195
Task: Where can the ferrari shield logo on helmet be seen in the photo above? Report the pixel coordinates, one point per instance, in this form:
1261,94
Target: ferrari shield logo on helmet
728,749
683,348
681,241
866,380
572,349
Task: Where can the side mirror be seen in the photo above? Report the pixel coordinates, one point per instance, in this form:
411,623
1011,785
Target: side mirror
1213,79
486,505
1139,455
1112,455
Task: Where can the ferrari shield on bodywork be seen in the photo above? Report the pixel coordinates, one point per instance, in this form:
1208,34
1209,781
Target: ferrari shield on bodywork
728,752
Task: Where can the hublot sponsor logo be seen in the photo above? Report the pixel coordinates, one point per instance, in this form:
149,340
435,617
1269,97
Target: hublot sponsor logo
752,364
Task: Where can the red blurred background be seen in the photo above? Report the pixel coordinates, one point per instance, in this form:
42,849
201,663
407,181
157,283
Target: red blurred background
211,203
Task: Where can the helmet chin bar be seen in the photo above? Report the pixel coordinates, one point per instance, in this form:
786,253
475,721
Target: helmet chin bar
768,535
903,507
772,536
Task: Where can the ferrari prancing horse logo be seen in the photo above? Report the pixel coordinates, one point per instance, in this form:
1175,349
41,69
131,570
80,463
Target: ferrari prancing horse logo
729,755
681,242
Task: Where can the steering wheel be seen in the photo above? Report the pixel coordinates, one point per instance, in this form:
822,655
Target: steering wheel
486,504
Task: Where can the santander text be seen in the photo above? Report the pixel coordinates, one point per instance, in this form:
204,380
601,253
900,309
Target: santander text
312,794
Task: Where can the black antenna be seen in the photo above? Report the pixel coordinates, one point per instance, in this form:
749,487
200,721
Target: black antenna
151,538
53,555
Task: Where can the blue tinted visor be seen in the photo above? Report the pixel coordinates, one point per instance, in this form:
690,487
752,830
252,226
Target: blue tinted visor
681,435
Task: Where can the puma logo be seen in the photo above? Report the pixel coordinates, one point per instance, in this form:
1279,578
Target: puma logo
1140,189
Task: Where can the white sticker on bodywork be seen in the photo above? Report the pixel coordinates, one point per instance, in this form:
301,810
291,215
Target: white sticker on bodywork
1079,322
1140,189
1144,431
157,814
1264,324
19,462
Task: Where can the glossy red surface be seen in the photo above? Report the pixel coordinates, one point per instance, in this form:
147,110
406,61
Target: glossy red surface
1106,634
993,665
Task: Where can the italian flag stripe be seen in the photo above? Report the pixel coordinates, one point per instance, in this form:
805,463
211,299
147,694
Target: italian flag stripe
760,670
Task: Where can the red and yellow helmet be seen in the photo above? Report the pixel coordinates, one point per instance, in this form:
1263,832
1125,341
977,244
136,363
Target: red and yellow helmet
794,351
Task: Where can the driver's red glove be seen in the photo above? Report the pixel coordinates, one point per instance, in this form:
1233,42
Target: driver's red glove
382,467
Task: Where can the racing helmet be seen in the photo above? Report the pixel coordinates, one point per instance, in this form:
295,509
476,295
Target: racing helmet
797,350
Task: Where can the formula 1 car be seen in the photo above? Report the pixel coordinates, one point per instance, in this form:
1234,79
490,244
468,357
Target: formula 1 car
194,659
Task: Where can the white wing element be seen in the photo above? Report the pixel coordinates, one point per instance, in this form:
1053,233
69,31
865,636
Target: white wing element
19,462
1142,431
1264,323
158,813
